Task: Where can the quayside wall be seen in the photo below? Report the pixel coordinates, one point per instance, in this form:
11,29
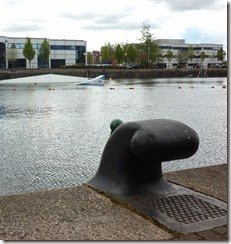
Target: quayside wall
114,73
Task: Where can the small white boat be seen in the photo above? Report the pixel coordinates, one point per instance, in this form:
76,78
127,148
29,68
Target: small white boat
97,81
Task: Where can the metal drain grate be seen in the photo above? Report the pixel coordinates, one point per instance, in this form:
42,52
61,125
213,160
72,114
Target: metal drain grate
187,209
181,209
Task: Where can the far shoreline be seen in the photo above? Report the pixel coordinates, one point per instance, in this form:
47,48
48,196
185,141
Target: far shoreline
115,73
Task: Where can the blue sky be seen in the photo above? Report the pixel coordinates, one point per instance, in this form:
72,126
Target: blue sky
101,21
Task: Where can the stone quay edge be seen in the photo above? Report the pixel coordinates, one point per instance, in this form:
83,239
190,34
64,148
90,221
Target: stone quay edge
81,213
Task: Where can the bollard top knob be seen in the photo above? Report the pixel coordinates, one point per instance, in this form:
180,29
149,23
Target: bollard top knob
115,123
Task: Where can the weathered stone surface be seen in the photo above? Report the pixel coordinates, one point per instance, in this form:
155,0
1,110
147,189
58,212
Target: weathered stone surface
77,213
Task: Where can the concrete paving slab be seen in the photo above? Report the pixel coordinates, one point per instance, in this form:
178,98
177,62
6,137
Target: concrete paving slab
212,180
77,213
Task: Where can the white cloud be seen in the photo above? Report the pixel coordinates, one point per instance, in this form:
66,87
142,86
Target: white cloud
15,28
102,21
181,5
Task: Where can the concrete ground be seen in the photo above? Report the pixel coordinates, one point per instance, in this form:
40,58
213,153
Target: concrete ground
81,213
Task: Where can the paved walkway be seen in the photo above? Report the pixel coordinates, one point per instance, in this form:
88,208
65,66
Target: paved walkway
80,213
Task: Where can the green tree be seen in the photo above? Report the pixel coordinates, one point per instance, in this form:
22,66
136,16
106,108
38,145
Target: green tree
11,54
28,51
119,53
131,53
221,54
159,55
169,56
45,51
107,53
148,47
190,53
89,58
202,56
182,57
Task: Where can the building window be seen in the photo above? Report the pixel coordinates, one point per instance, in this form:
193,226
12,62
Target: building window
181,48
20,63
42,63
35,46
166,47
80,54
16,45
62,47
208,48
57,63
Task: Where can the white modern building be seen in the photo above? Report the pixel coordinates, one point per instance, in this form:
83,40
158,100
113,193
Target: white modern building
176,45
63,52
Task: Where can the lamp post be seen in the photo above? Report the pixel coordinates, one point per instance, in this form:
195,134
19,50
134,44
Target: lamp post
85,57
125,57
6,41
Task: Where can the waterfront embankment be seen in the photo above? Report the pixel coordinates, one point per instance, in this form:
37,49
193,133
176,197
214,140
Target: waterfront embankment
115,73
82,213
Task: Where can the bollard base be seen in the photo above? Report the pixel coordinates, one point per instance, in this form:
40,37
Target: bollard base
177,207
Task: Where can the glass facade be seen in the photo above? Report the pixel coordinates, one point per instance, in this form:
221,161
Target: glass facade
57,63
181,48
80,53
62,47
166,47
16,45
19,63
2,55
42,63
208,48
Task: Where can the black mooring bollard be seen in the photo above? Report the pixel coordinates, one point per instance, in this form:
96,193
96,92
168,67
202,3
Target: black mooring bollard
132,157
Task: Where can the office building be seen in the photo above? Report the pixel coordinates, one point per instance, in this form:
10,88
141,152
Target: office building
179,45
63,52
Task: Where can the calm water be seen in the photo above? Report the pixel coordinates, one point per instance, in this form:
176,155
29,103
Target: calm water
55,138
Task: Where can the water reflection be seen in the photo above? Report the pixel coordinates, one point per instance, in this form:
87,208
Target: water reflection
54,138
